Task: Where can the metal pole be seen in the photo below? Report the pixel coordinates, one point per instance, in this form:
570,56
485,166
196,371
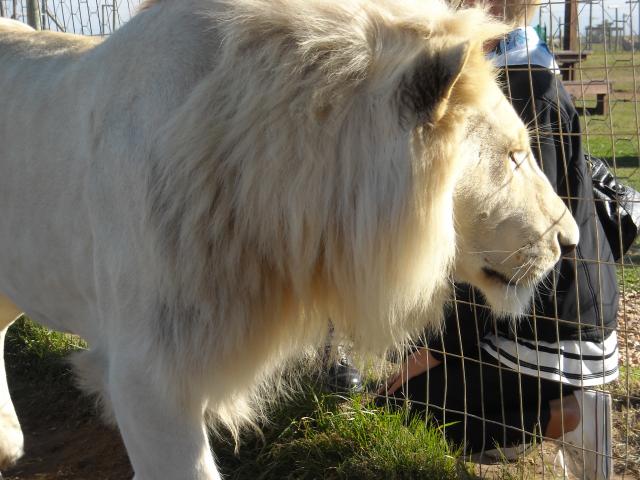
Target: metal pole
14,15
560,33
617,31
33,14
624,25
590,34
637,30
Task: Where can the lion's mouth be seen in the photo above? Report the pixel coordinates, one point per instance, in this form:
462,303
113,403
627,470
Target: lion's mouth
495,275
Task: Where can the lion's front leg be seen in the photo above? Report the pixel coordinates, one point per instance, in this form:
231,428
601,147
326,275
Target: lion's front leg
164,438
11,439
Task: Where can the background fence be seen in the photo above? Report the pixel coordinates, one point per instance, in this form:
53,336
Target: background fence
84,17
596,45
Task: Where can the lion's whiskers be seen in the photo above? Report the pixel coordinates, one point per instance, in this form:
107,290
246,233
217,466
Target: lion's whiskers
492,251
531,263
515,252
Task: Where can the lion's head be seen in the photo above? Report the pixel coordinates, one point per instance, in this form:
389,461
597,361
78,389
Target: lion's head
511,226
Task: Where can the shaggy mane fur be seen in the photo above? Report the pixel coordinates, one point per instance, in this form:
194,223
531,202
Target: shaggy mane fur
329,220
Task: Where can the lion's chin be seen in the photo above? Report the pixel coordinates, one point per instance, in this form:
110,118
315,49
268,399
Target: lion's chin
506,300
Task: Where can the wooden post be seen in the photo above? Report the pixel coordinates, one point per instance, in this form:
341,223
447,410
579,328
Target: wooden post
33,14
570,25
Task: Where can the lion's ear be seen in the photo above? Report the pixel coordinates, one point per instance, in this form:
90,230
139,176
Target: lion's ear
427,87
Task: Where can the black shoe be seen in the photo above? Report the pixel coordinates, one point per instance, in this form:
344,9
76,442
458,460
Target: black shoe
342,377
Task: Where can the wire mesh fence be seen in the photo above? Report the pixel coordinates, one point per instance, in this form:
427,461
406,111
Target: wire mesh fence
83,17
504,386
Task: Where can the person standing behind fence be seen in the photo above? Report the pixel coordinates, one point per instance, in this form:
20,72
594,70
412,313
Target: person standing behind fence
495,383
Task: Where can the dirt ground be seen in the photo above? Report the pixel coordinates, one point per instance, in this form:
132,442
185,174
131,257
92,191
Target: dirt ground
65,439
629,329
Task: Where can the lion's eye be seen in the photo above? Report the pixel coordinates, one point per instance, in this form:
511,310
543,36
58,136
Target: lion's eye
516,159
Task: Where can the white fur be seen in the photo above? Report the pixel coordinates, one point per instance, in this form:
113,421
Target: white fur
8,23
11,440
198,194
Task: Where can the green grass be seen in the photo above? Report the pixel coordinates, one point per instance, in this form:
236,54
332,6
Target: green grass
627,386
615,66
332,437
33,340
629,176
629,278
35,351
615,135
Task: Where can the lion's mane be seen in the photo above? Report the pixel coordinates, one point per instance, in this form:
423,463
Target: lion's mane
308,176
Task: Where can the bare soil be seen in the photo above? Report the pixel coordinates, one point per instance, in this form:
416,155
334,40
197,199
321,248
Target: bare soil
65,438
629,328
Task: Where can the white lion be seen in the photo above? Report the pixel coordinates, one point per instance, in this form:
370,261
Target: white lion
199,193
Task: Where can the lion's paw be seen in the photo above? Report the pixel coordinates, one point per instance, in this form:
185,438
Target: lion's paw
11,444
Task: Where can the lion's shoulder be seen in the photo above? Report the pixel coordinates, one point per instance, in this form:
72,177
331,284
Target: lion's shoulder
28,43
14,25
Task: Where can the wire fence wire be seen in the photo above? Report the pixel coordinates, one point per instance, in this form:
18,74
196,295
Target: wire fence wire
599,68
82,17
487,384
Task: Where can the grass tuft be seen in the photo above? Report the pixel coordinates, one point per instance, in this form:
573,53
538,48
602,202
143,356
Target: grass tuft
36,352
340,438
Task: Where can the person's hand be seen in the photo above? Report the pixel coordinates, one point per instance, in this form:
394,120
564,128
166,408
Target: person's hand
415,364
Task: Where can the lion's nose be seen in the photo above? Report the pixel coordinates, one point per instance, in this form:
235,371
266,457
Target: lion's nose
567,233
567,249
568,239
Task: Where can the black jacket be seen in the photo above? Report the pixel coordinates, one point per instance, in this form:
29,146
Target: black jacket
586,304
